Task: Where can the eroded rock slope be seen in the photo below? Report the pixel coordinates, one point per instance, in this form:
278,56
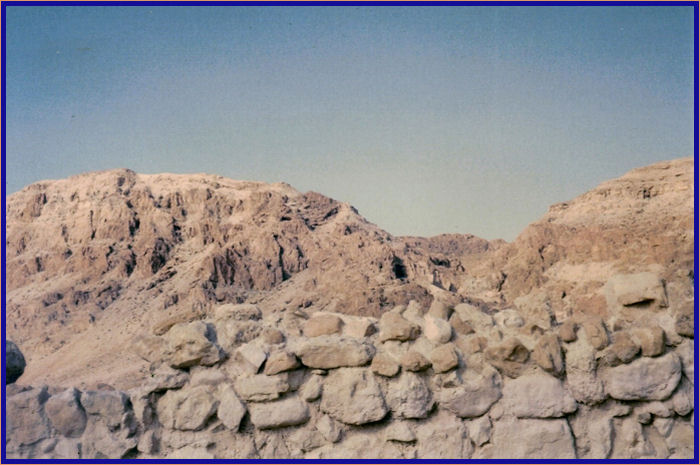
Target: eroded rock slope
200,317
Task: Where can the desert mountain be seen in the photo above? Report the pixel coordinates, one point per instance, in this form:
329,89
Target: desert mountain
172,316
96,258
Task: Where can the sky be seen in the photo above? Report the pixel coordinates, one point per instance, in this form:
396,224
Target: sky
429,120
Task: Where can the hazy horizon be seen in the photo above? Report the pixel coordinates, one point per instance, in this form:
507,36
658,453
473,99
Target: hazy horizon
429,120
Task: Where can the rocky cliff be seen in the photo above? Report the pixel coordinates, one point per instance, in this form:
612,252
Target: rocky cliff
200,317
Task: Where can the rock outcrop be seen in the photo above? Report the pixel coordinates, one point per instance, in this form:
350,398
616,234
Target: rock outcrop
207,319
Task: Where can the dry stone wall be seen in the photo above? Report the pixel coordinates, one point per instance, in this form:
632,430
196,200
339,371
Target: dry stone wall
431,383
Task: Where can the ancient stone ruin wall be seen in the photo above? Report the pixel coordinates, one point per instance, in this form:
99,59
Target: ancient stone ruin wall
439,383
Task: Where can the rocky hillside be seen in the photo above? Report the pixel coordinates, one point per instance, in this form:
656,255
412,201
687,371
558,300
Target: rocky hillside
201,317
94,259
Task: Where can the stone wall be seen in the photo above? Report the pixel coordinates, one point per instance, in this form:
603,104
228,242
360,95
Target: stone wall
437,383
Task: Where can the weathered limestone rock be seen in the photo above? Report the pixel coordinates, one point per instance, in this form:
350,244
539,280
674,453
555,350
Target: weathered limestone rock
66,414
443,436
272,336
333,352
231,410
304,440
26,422
111,407
14,362
329,428
281,361
288,412
644,379
437,329
650,339
471,344
392,326
239,312
567,331
414,361
352,396
593,429
359,327
473,397
260,388
547,354
187,409
440,309
682,401
685,319
312,388
480,321
385,365
191,344
399,432
253,355
444,358
637,288
323,324
537,396
630,440
509,357
686,352
623,348
460,326
532,439
164,378
581,375
479,430
595,331
100,441
509,318
409,397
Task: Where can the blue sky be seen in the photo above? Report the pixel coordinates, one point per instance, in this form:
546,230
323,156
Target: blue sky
427,119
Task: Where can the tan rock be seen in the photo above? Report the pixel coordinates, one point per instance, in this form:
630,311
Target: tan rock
650,339
623,348
537,396
392,326
190,344
385,365
359,327
280,361
353,396
288,412
323,324
239,312
414,361
444,358
509,357
327,352
66,414
273,336
595,331
440,309
547,354
187,409
644,379
567,331
231,410
409,397
437,329
260,388
459,325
